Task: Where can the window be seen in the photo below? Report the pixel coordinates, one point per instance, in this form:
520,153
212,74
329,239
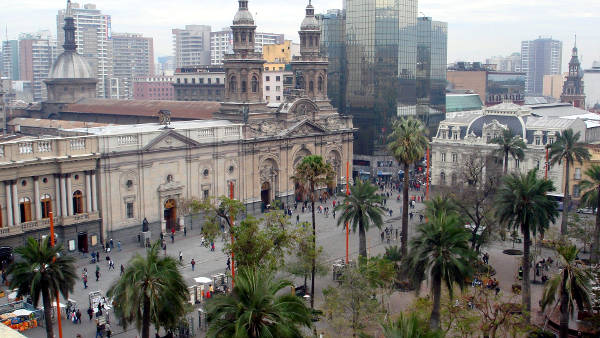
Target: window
201,81
268,78
244,88
267,98
268,88
218,80
537,141
46,204
454,157
129,209
185,81
277,78
25,209
205,193
278,98
254,84
537,164
77,202
454,179
577,173
517,163
278,88
455,135
232,84
311,86
208,81
193,81
443,159
576,190
442,178
320,84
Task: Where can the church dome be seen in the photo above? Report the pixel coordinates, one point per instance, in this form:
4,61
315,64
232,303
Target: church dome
70,65
243,15
310,22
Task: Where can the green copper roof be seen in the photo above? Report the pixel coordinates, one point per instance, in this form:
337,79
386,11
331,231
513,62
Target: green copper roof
462,102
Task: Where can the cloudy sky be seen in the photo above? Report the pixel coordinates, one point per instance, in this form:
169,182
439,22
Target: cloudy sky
477,29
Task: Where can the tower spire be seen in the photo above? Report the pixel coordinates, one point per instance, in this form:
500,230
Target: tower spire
69,29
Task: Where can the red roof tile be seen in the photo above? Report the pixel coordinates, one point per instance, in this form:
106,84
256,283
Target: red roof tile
198,110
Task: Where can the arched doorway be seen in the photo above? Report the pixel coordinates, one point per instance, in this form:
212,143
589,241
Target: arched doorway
265,194
170,215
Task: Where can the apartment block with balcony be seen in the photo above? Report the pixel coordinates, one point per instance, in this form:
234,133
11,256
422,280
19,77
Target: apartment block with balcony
199,83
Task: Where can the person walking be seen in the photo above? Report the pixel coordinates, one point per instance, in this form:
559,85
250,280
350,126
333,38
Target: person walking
184,231
122,270
298,218
173,236
212,246
228,263
97,275
119,245
90,312
193,264
78,316
180,257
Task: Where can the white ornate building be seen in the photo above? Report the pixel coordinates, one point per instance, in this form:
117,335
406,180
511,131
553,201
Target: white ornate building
464,133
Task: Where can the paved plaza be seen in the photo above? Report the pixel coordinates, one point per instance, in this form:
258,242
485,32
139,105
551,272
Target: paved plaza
329,235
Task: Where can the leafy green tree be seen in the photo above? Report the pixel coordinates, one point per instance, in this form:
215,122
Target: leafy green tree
590,199
151,290
219,211
572,285
313,173
300,264
408,143
441,252
409,326
522,203
567,148
509,144
42,270
262,246
361,208
257,307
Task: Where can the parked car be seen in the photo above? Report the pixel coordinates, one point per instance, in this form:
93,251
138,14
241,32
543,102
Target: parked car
589,211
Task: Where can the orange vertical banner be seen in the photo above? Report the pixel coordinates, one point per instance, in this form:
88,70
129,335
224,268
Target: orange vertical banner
347,193
427,177
50,214
231,233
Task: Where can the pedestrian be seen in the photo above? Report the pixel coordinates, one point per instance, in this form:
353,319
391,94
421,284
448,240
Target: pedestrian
108,331
180,257
165,248
162,236
184,231
122,270
391,212
382,236
297,220
228,263
212,246
85,281
97,256
111,265
97,275
172,237
112,244
193,264
98,330
410,215
90,312
119,245
78,316
421,218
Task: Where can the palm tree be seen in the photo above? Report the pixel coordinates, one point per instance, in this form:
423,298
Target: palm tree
590,199
148,285
572,285
43,270
254,308
408,144
313,172
522,203
509,144
441,252
567,148
363,208
440,204
409,326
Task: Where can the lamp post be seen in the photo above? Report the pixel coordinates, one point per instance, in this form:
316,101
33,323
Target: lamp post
57,299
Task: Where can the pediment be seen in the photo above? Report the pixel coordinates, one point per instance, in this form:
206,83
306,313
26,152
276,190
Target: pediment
303,128
170,139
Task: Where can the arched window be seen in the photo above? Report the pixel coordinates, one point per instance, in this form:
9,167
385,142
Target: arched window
235,37
243,37
25,209
302,41
232,85
46,205
311,86
442,178
320,84
249,37
454,179
77,202
310,40
254,84
244,89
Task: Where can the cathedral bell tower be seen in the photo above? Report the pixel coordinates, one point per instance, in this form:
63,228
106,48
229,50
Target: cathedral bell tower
243,68
573,86
310,69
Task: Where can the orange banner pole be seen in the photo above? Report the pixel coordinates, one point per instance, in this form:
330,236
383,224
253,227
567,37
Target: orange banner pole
347,193
57,299
427,177
231,233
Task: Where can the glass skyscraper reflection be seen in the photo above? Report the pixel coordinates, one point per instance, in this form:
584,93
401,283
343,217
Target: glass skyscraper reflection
432,41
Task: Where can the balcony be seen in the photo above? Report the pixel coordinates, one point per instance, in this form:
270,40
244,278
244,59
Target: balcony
45,223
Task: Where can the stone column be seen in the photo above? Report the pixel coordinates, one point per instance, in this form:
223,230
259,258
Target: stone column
63,195
69,195
57,200
15,199
9,205
36,197
94,192
88,192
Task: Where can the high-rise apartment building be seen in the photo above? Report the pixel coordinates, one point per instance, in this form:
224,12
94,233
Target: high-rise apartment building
10,59
432,50
133,56
592,85
511,63
36,54
221,43
92,36
192,45
540,57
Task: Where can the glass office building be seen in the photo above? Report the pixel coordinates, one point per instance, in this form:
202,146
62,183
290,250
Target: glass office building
333,25
432,42
502,86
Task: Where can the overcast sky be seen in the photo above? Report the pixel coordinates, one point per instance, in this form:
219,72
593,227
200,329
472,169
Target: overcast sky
477,28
